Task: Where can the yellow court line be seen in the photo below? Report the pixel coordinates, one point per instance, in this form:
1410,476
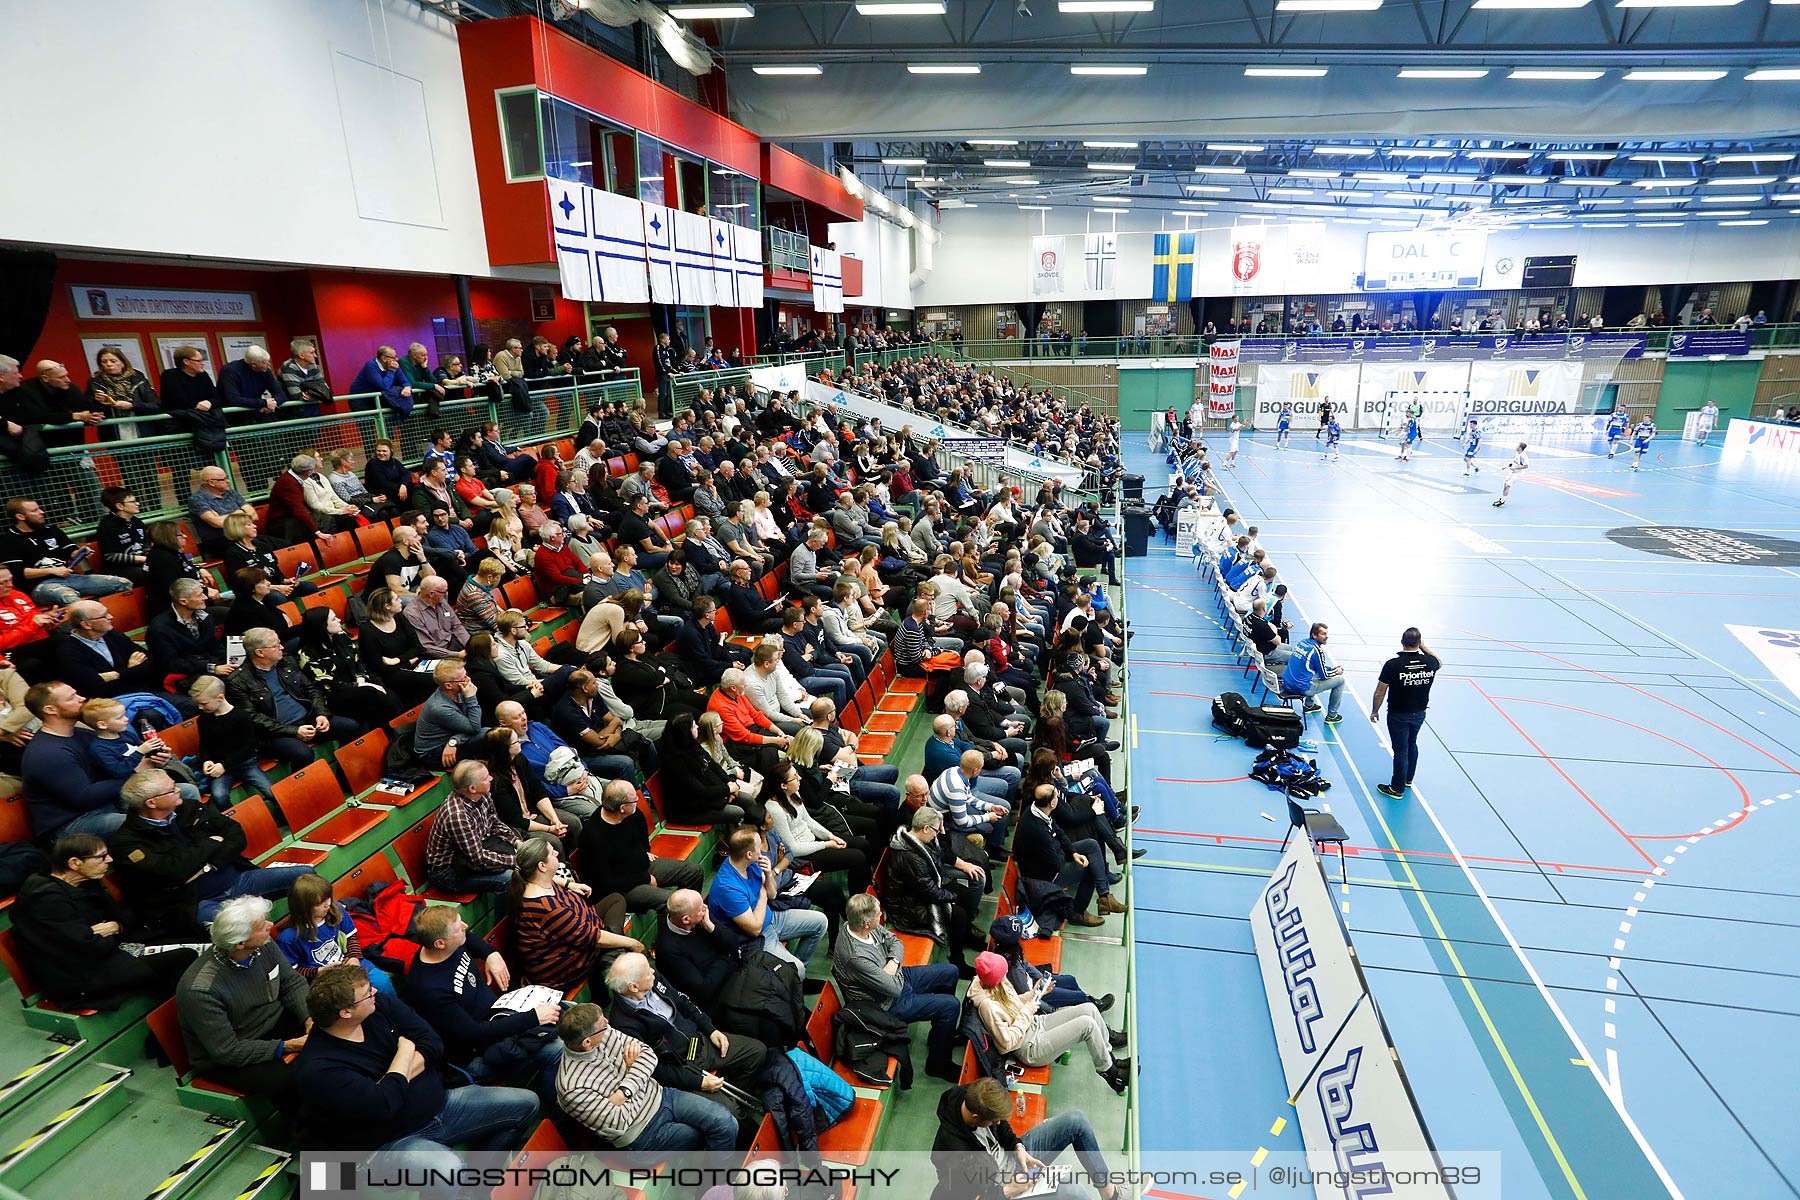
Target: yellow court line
1487,1021
1134,731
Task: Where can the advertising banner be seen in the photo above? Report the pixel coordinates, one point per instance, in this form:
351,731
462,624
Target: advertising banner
1524,389
989,450
1223,377
1351,1099
1763,439
1441,387
1424,258
1303,387
1698,343
160,304
1776,649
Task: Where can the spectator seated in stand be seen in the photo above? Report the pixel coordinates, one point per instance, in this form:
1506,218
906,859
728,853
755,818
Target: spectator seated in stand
66,791
607,1081
562,937
289,709
616,855
974,1124
867,966
1022,1027
242,1008
470,848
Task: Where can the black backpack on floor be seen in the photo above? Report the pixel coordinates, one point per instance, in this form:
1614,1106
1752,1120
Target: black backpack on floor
1273,726
1231,714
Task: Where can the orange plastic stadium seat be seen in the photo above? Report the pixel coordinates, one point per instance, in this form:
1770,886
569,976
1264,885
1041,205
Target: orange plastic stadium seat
409,849
165,1027
310,800
356,881
361,763
261,836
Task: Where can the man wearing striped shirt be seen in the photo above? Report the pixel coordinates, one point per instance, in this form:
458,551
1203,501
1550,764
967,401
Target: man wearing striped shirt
607,1082
954,795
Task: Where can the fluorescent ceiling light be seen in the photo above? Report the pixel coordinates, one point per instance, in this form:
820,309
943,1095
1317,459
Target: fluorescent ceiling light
902,162
1382,176
1738,199
1742,181
1110,145
1660,224
993,141
1579,181
1246,147
1014,163
711,12
1218,170
901,8
781,69
1114,211
1022,181
1442,73
1284,72
1556,74
1195,203
1288,191
1516,179
1659,156
1035,207
1771,156
1665,200
1108,69
1602,200
923,179
1403,196
1774,74
1440,177
1418,152
1309,173
1499,153
1532,3
1549,227
1663,183
1105,6
1109,199
1585,155
1351,151
1328,5
1728,212
1763,221
943,68
1672,75
1787,199
586,162
1206,187
1603,225
1113,167
1678,3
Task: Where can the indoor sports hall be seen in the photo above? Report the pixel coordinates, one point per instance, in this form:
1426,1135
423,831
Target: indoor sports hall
900,600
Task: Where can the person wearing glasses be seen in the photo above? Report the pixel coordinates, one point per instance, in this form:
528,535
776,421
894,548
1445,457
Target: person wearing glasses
179,863
369,1079
69,928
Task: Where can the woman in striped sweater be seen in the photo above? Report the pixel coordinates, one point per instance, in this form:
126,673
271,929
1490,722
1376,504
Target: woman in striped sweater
560,939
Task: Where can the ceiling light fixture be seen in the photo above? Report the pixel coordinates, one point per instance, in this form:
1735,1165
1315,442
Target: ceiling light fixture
1585,155
1114,211
1665,200
1515,153
1014,163
1419,152
1309,173
1515,180
1206,187
1022,181
901,8
1762,221
1108,69
1348,151
1195,203
711,12
1442,73
1288,191
1532,3
1218,170
1034,207
1555,74
1678,3
1440,177
1774,74
993,141
1663,183
781,69
1728,212
902,162
1604,200
1660,224
1742,181
1771,156
1113,167
1237,147
1284,72
943,68
1110,145
1327,5
1109,199
1672,75
1659,156
1737,199
1382,176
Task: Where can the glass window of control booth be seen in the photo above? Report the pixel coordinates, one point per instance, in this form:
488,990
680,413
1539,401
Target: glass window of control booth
581,148
734,197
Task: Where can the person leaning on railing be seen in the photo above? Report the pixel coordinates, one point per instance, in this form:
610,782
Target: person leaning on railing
250,385
380,379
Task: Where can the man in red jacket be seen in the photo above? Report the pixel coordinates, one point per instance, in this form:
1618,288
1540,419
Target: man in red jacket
556,568
289,518
21,622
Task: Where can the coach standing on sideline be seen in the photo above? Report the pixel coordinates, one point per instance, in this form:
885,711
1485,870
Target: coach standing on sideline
1406,686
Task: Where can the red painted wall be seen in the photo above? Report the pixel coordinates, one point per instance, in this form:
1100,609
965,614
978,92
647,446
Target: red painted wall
360,311
283,306
496,55
792,174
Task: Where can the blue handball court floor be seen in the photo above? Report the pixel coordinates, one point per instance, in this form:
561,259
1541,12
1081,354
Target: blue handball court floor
1581,924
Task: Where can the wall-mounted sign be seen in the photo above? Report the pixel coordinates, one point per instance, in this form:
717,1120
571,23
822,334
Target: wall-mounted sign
160,304
1424,258
543,304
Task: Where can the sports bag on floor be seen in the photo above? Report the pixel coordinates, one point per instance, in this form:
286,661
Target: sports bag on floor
1285,771
1231,713
1272,726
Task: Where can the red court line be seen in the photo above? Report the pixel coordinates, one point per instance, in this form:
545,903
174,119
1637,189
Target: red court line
1786,766
1557,767
1743,791
1220,839
1233,779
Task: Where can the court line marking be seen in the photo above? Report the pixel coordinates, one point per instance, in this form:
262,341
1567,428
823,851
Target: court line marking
1222,838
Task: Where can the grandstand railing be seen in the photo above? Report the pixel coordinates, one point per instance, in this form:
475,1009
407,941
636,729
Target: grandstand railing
684,388
159,465
1762,337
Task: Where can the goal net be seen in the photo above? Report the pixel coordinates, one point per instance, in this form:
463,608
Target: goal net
1439,411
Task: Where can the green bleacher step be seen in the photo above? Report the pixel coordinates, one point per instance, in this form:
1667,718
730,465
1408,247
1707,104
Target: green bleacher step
96,1028
30,1065
48,1130
251,1171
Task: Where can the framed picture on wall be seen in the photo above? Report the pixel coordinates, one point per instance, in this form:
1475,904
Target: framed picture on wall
168,344
131,345
233,346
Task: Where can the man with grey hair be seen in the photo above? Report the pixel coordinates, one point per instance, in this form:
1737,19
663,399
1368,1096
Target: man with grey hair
290,518
441,632
242,1008
867,965
302,378
287,706
24,452
616,854
249,384
690,950
997,754
805,570
178,861
96,659
694,1054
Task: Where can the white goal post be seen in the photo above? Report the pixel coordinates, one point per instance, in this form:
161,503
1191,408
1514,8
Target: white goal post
1440,411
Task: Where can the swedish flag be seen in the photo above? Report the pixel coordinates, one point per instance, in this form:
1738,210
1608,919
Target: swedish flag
1173,276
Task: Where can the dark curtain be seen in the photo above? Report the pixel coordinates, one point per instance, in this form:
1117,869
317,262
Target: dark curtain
1100,318
25,292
